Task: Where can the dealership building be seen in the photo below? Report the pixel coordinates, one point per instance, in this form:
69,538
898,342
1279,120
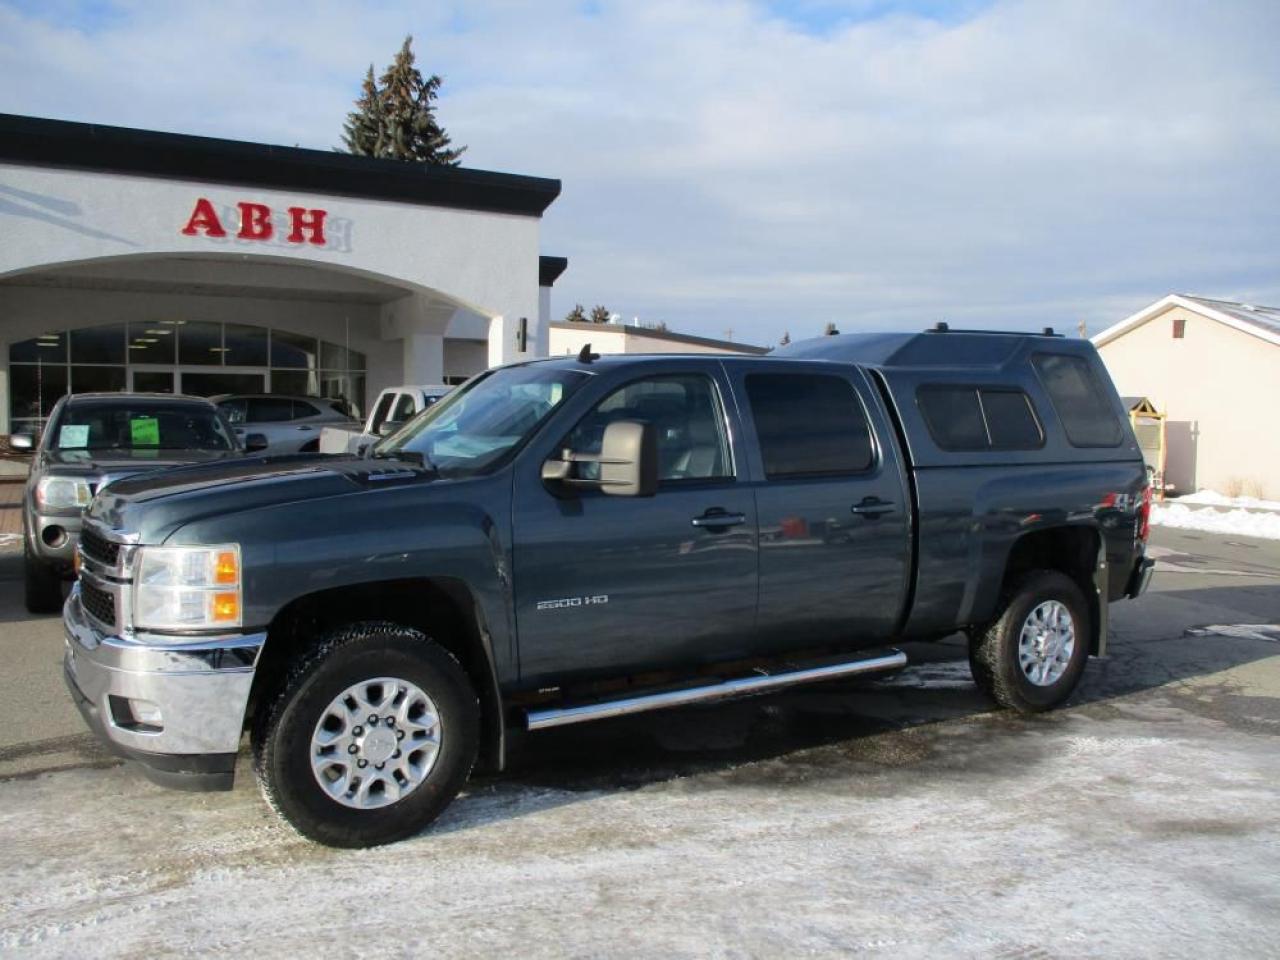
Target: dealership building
137,260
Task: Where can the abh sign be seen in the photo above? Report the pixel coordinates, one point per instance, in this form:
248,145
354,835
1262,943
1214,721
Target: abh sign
303,225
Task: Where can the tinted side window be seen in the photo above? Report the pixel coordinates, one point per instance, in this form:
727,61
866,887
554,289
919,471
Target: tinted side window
270,410
684,409
809,425
953,417
979,418
302,409
1011,420
1079,399
233,410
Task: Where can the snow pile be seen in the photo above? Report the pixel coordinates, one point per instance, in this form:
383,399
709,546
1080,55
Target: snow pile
1212,498
1239,522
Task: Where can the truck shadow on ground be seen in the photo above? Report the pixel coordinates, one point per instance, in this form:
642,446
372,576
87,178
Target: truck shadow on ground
870,732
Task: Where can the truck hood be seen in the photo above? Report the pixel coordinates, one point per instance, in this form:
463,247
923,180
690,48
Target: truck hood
153,505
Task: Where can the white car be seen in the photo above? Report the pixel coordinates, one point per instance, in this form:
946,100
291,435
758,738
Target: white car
290,424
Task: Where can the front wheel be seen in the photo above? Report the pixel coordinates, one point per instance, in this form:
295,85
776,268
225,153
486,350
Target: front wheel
371,738
1031,657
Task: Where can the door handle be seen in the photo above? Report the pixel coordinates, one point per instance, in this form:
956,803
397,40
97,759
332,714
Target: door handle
719,519
872,507
306,428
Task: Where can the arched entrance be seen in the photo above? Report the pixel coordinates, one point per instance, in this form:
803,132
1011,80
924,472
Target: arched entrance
211,325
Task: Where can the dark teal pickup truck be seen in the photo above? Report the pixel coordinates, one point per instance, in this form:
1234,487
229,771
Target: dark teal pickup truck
577,538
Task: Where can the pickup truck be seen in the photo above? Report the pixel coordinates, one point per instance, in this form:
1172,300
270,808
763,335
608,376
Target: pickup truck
570,539
394,407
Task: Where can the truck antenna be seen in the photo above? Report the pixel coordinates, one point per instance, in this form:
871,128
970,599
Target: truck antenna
585,355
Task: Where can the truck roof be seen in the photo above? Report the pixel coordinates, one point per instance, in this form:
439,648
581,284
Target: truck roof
938,347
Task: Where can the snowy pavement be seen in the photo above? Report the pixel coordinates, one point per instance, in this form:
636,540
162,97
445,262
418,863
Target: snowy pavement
1213,512
901,818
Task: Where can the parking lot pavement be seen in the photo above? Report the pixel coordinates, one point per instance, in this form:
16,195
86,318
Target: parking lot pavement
900,818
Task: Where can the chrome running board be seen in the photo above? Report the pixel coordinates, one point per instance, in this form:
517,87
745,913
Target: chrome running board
722,689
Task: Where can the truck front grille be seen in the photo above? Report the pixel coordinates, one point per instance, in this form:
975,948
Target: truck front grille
99,548
98,603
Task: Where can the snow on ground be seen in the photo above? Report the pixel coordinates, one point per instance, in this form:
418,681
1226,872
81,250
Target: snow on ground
1213,512
1243,523
1212,498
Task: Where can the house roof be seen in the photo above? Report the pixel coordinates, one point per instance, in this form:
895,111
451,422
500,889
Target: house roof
1261,322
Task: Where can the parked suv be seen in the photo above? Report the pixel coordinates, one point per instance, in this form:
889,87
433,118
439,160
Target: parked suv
290,424
578,538
93,439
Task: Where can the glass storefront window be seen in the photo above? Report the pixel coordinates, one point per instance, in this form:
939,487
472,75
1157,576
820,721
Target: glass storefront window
46,348
295,383
97,379
34,388
200,344
152,341
293,351
116,357
246,346
335,357
98,345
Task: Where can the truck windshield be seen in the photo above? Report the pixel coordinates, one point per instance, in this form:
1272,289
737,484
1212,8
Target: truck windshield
475,427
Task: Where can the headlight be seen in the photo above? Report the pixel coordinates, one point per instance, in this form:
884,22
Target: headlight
186,588
62,493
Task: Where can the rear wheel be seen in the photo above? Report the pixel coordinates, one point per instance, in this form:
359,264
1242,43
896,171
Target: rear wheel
370,739
42,585
1031,657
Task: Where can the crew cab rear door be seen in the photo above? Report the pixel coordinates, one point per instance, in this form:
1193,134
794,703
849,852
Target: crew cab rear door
612,585
832,501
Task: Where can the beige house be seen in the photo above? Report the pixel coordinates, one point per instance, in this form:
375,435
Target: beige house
1213,368
567,338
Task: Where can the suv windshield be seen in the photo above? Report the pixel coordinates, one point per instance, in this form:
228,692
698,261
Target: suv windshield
475,427
140,425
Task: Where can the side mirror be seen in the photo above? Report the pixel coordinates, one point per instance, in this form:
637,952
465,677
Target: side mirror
628,462
388,427
255,442
22,441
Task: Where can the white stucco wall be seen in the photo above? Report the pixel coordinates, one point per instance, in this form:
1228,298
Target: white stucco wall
1220,388
485,262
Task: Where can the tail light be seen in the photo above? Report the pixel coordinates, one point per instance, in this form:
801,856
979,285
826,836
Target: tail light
1144,514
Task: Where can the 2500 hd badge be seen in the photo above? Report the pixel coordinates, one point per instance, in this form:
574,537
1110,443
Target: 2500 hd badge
572,602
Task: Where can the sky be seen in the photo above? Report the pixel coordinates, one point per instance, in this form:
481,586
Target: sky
767,167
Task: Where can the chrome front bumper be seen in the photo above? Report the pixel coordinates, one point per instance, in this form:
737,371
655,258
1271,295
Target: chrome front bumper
176,708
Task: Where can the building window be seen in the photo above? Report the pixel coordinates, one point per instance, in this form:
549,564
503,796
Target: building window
1179,327
109,358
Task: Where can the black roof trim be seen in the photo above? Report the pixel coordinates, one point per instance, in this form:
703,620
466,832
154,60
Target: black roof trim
150,153
549,270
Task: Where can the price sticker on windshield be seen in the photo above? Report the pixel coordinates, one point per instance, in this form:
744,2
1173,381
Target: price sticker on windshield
145,431
73,435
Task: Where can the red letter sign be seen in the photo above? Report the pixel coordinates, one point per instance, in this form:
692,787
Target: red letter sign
312,221
204,219
255,221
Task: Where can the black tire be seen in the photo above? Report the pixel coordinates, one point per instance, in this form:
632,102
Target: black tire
311,446
993,651
346,656
42,585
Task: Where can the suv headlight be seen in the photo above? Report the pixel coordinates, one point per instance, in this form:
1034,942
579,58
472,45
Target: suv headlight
186,588
63,493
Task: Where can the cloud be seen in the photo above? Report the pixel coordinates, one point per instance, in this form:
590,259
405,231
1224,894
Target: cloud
769,167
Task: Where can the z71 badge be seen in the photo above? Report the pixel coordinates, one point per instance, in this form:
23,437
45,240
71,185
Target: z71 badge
572,602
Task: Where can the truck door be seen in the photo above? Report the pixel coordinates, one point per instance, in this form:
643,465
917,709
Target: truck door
832,501
607,584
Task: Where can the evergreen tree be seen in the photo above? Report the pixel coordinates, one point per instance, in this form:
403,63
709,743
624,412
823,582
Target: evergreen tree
576,315
786,338
599,314
394,118
831,330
